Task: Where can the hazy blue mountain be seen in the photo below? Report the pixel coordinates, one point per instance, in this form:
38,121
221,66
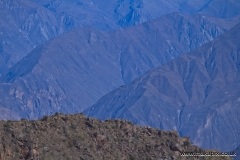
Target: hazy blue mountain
132,12
156,42
71,72
217,8
237,150
66,75
25,24
196,94
23,27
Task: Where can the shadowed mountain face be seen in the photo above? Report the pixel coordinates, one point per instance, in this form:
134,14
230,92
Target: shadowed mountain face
216,8
196,94
71,72
22,28
26,24
66,75
237,151
156,42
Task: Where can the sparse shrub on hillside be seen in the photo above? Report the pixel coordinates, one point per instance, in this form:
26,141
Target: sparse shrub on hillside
70,144
45,118
7,125
26,130
65,131
91,145
132,157
17,150
23,119
9,121
73,126
186,143
114,127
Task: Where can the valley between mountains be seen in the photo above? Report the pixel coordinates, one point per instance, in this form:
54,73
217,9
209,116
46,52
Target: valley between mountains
71,72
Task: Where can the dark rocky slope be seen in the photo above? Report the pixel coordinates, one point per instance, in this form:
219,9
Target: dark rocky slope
75,137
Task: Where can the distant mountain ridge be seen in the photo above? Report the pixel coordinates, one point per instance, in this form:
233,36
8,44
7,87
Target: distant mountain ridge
162,39
26,24
196,94
71,72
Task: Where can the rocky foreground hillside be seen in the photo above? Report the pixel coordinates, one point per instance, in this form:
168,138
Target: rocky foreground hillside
78,137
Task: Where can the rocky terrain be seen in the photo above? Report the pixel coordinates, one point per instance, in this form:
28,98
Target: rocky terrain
70,137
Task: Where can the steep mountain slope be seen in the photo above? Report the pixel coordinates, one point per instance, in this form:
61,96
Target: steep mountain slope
216,8
66,75
78,137
71,72
237,151
156,42
23,27
196,94
25,24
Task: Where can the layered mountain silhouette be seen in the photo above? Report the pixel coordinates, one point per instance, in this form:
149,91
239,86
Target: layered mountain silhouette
26,24
132,12
155,42
67,74
196,94
71,72
22,28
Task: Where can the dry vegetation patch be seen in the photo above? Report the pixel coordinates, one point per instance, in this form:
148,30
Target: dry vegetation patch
76,137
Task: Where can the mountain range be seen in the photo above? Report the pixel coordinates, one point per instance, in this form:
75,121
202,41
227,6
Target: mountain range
193,94
71,72
124,59
26,24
